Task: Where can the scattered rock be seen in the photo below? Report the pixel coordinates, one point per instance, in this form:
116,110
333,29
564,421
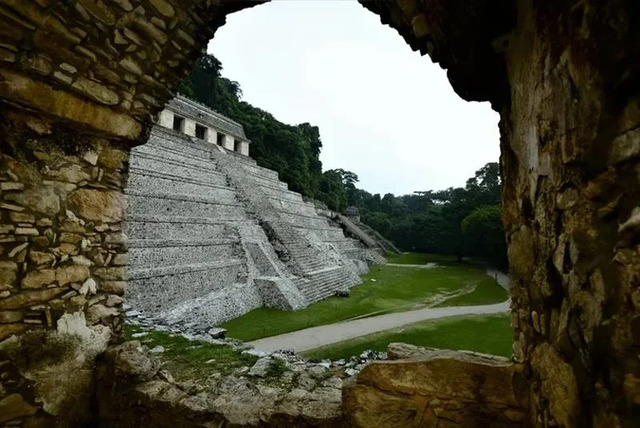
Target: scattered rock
157,350
260,367
217,333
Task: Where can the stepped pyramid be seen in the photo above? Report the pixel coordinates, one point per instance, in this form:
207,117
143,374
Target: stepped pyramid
212,235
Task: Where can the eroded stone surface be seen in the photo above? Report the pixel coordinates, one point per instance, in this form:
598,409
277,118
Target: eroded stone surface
437,388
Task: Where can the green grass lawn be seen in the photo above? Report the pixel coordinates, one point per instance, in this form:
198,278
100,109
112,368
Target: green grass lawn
385,289
490,334
419,258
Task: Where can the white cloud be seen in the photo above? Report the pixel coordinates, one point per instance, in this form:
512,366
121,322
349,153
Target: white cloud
384,112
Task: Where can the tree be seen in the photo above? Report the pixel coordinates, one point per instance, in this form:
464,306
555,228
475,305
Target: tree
484,234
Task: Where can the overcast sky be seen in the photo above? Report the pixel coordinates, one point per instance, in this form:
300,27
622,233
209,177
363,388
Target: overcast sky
384,112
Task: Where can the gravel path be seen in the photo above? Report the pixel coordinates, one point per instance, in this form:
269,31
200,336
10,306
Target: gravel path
315,337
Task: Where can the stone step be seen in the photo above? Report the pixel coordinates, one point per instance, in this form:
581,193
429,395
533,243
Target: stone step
168,167
260,171
322,284
154,185
152,252
301,220
155,290
170,205
279,185
175,230
176,153
136,274
212,198
325,234
293,206
281,193
327,286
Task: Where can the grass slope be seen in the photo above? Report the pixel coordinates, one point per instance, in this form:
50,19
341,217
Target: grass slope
490,334
385,289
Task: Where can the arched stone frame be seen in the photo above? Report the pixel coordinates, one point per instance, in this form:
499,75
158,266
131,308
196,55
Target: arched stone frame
563,76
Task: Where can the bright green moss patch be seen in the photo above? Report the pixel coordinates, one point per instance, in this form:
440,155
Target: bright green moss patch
489,334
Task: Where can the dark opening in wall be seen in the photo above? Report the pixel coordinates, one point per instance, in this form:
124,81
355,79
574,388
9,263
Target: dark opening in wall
236,146
178,123
201,132
220,139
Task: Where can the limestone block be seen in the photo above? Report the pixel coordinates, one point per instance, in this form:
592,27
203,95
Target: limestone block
8,274
39,278
115,287
98,205
441,386
30,298
41,199
73,273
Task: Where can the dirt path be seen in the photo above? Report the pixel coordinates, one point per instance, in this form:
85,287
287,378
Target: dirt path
315,337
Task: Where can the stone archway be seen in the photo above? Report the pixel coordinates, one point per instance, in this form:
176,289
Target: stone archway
79,82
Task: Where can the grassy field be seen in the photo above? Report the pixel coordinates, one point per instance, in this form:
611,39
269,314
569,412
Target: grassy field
490,334
385,289
419,258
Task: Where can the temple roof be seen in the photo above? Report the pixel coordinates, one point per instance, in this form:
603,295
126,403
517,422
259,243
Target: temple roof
204,115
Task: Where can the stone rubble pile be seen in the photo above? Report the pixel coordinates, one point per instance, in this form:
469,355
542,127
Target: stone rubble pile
217,336
280,388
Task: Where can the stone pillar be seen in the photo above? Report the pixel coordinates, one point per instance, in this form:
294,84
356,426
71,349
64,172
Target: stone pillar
165,119
571,205
227,142
212,136
243,148
189,127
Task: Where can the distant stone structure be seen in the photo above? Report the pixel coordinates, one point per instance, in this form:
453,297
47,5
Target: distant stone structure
212,235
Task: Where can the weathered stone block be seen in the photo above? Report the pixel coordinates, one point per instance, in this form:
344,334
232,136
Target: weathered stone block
40,199
438,387
98,205
115,287
74,273
30,298
8,274
39,278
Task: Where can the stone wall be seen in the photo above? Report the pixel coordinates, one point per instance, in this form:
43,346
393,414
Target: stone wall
108,65
61,246
564,77
62,262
